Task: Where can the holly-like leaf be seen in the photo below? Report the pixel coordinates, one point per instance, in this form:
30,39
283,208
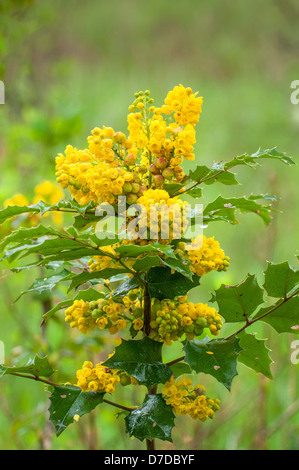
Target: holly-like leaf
24,234
133,251
87,276
283,316
147,262
163,284
69,401
179,265
141,359
154,419
14,211
37,367
125,287
213,174
225,209
217,358
280,279
44,207
255,354
87,295
55,248
237,303
180,368
253,159
47,284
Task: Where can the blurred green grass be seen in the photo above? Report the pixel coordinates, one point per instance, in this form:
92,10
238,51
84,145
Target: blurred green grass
68,67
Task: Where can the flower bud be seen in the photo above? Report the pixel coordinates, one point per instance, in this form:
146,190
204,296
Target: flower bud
160,163
142,189
132,199
135,188
94,304
127,188
158,180
153,169
168,173
125,379
97,313
142,170
130,160
119,138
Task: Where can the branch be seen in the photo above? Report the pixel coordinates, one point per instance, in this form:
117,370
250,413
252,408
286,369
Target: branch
251,322
48,382
203,180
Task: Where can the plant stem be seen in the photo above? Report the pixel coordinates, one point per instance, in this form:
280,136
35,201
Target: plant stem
150,443
147,310
48,382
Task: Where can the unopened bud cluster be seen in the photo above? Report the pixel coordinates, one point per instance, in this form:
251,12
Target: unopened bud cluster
174,318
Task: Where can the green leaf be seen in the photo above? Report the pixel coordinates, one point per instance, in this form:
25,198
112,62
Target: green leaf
274,154
69,255
44,207
154,419
87,295
253,160
133,251
180,368
24,234
87,276
255,354
217,358
141,359
54,248
285,317
179,265
214,174
165,285
172,188
147,262
68,401
52,311
124,288
237,303
225,209
47,284
13,211
280,279
37,367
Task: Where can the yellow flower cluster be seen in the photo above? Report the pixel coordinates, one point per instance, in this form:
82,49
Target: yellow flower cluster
165,216
79,316
163,145
205,255
102,314
188,400
97,379
185,105
172,319
88,178
114,164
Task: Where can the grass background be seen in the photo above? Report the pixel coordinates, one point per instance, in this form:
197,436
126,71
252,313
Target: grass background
69,66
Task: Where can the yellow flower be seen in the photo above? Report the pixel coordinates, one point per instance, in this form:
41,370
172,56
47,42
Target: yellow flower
138,324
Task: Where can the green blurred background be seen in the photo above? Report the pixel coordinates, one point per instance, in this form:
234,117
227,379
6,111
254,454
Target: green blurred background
70,66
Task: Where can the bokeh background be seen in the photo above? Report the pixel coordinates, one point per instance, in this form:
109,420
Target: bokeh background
71,66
